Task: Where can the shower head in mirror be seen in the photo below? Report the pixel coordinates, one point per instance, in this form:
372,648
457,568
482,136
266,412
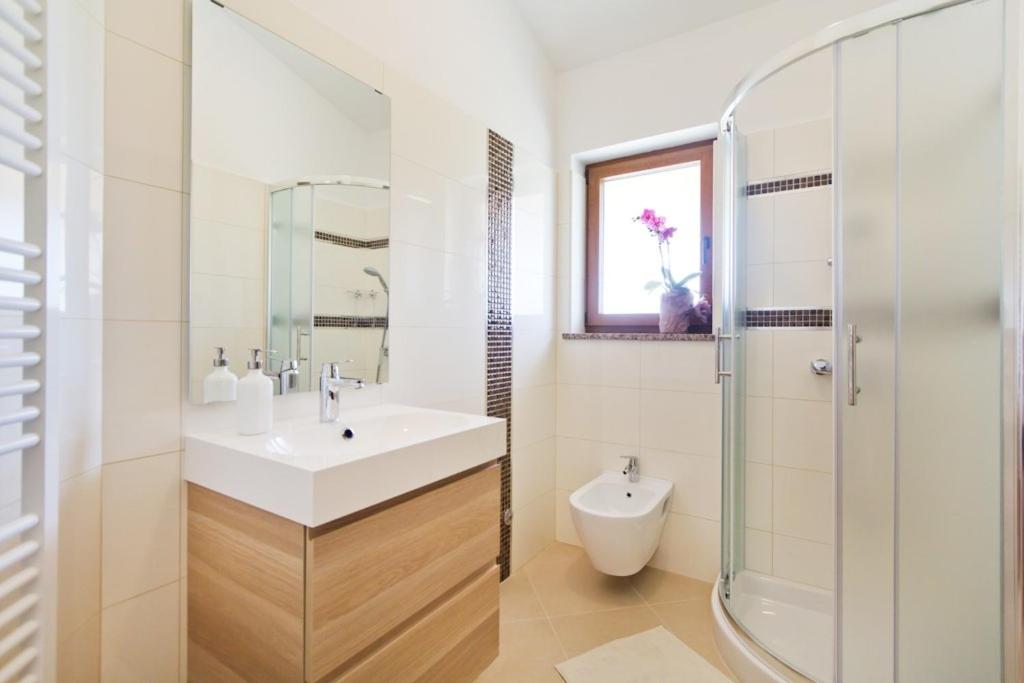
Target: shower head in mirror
373,272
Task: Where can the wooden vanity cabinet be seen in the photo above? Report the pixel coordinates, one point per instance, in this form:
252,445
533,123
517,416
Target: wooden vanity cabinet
404,591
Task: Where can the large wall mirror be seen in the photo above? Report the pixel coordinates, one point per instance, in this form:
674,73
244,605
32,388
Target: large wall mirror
289,222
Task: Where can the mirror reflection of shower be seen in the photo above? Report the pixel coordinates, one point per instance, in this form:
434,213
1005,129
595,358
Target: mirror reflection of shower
383,352
326,232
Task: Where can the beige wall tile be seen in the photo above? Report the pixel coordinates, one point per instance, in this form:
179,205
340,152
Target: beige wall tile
141,389
760,228
758,550
157,24
224,197
565,528
802,504
78,558
803,434
679,421
534,410
690,546
761,154
142,259
599,363
144,106
759,362
140,638
808,283
78,655
697,480
760,285
803,148
679,366
534,468
803,561
803,225
790,362
141,525
759,429
431,132
608,414
758,496
80,399
533,528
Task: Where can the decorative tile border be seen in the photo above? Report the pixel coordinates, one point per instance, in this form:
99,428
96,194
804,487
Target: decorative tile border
639,336
349,321
789,317
499,320
354,242
786,184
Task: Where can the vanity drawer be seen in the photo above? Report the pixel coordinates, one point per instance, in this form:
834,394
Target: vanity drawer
369,575
453,643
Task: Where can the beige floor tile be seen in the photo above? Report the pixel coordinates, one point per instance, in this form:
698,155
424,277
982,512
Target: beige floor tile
656,586
518,601
692,622
566,583
582,632
529,651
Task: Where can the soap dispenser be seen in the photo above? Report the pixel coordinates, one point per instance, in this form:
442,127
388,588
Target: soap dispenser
221,384
255,403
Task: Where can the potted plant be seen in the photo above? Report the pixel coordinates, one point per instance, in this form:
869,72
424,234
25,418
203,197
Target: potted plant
678,310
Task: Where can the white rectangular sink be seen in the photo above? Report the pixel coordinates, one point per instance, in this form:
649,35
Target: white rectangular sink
310,473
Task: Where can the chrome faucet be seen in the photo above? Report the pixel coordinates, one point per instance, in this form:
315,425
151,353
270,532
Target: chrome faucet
632,468
331,384
289,369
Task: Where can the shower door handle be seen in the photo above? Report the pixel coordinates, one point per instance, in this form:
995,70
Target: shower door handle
719,372
852,339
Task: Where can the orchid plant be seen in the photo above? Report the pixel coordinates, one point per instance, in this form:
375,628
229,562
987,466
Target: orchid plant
656,226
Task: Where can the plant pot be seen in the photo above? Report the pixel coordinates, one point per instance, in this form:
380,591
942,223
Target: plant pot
675,306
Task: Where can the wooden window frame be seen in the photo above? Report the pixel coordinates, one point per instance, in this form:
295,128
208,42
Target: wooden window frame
703,152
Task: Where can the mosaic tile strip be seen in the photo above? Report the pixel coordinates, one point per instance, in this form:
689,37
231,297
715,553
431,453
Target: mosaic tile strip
499,317
639,336
786,184
789,317
349,321
354,242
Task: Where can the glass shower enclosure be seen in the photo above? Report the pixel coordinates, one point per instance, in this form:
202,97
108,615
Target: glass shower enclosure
290,284
925,360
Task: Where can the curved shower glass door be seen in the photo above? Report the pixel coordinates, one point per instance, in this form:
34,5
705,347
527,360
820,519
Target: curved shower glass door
870,415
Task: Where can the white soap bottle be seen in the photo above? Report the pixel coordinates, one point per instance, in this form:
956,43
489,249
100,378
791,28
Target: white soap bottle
255,403
221,384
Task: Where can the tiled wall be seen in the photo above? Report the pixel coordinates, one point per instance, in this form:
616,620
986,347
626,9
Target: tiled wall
132,625
75,158
533,357
658,400
227,253
789,501
145,205
652,399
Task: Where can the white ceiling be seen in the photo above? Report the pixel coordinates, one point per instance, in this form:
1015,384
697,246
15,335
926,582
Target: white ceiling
576,32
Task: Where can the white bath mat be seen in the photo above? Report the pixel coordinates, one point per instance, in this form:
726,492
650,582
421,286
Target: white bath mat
654,656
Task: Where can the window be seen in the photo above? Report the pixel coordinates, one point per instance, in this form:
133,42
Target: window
624,261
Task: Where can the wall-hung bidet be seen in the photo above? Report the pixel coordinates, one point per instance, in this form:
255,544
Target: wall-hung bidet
619,517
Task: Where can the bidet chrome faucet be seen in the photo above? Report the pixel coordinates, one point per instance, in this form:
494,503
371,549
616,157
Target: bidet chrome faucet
632,468
331,384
